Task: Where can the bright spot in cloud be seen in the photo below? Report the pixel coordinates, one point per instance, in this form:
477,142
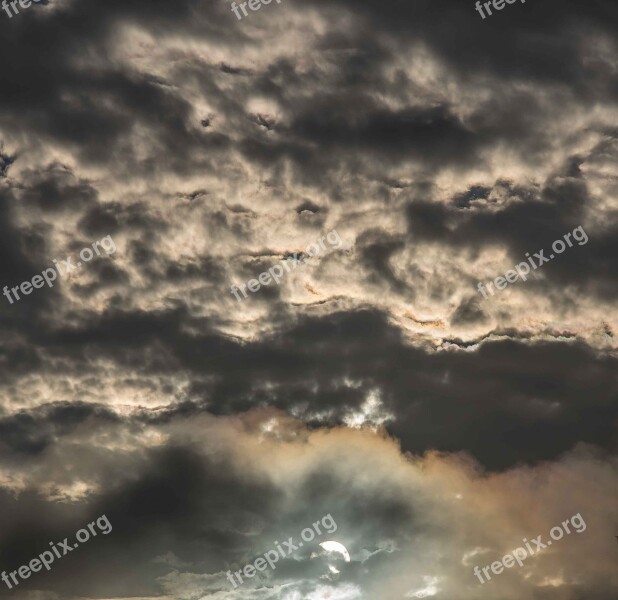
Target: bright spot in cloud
331,546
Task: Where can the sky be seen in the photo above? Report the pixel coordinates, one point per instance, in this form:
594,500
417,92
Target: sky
382,381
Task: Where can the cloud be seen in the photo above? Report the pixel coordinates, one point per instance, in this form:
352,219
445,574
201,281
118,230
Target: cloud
375,384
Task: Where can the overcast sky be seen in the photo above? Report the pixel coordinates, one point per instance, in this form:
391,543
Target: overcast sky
374,383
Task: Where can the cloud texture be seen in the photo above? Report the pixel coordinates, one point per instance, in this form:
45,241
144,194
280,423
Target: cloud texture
375,383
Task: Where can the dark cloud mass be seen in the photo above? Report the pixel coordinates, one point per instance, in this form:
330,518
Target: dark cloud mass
373,383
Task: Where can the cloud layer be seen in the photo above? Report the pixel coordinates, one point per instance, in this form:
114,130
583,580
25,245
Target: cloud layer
376,384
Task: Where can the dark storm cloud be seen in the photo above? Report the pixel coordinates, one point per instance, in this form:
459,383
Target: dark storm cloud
469,311
145,392
349,116
30,241
56,190
22,255
47,94
204,513
175,496
376,251
505,402
532,221
107,276
449,400
15,249
208,512
526,41
18,358
29,433
344,118
423,134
